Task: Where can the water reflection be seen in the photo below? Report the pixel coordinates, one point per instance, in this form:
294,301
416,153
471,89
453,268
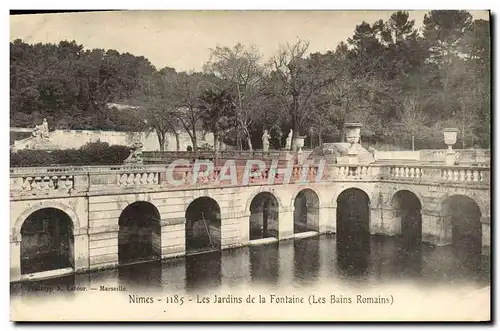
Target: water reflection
299,262
265,264
203,271
306,260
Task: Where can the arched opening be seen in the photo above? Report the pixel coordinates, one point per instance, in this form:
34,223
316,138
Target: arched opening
203,222
306,211
407,212
264,216
353,230
47,241
139,235
462,222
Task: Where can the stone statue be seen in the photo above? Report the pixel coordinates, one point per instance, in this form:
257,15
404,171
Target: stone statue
135,153
41,131
289,140
265,141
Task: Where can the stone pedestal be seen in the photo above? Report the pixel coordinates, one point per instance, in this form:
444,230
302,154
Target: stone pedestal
173,237
486,236
81,253
450,157
327,220
352,156
285,224
15,261
384,221
103,247
436,229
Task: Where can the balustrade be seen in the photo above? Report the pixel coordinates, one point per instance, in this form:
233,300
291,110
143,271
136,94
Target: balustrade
42,184
63,180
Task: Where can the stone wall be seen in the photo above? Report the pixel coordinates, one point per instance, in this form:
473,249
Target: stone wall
95,218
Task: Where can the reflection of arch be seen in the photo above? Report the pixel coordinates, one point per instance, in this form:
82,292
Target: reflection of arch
353,219
264,216
407,213
263,190
139,234
461,217
306,211
47,241
16,230
203,223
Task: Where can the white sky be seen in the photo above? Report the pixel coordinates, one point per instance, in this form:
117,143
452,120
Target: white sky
182,39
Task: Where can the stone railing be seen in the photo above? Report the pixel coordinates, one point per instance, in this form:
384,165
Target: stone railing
167,156
476,157
64,181
441,174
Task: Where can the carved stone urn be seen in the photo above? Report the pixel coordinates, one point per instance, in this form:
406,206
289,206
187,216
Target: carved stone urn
353,132
353,135
300,143
450,138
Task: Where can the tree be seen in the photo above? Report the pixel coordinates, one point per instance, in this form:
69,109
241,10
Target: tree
239,67
412,120
444,31
217,113
293,79
187,89
157,109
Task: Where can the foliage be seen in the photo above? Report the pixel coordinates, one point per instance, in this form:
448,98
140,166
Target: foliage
97,153
402,84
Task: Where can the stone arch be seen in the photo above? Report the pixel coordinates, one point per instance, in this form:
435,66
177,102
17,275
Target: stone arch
353,217
353,229
365,188
139,232
203,224
306,205
263,189
407,208
399,188
484,208
461,225
302,188
264,210
47,241
16,229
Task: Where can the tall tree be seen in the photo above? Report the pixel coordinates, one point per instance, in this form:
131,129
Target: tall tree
217,113
240,68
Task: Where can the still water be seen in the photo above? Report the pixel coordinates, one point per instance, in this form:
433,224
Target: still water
294,263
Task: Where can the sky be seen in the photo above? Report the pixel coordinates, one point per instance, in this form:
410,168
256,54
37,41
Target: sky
183,39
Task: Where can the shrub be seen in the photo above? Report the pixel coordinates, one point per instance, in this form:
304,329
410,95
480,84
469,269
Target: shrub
98,153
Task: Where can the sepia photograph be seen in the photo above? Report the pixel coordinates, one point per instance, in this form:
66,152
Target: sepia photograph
250,165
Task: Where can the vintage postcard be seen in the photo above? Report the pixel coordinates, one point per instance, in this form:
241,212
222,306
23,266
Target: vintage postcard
250,166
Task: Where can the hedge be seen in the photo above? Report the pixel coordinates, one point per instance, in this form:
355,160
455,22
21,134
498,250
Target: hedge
97,153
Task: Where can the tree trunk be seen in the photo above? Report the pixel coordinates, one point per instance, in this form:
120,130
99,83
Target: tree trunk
295,134
216,140
194,138
161,140
249,140
177,141
413,142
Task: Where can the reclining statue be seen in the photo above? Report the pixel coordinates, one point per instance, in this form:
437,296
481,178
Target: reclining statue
41,131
